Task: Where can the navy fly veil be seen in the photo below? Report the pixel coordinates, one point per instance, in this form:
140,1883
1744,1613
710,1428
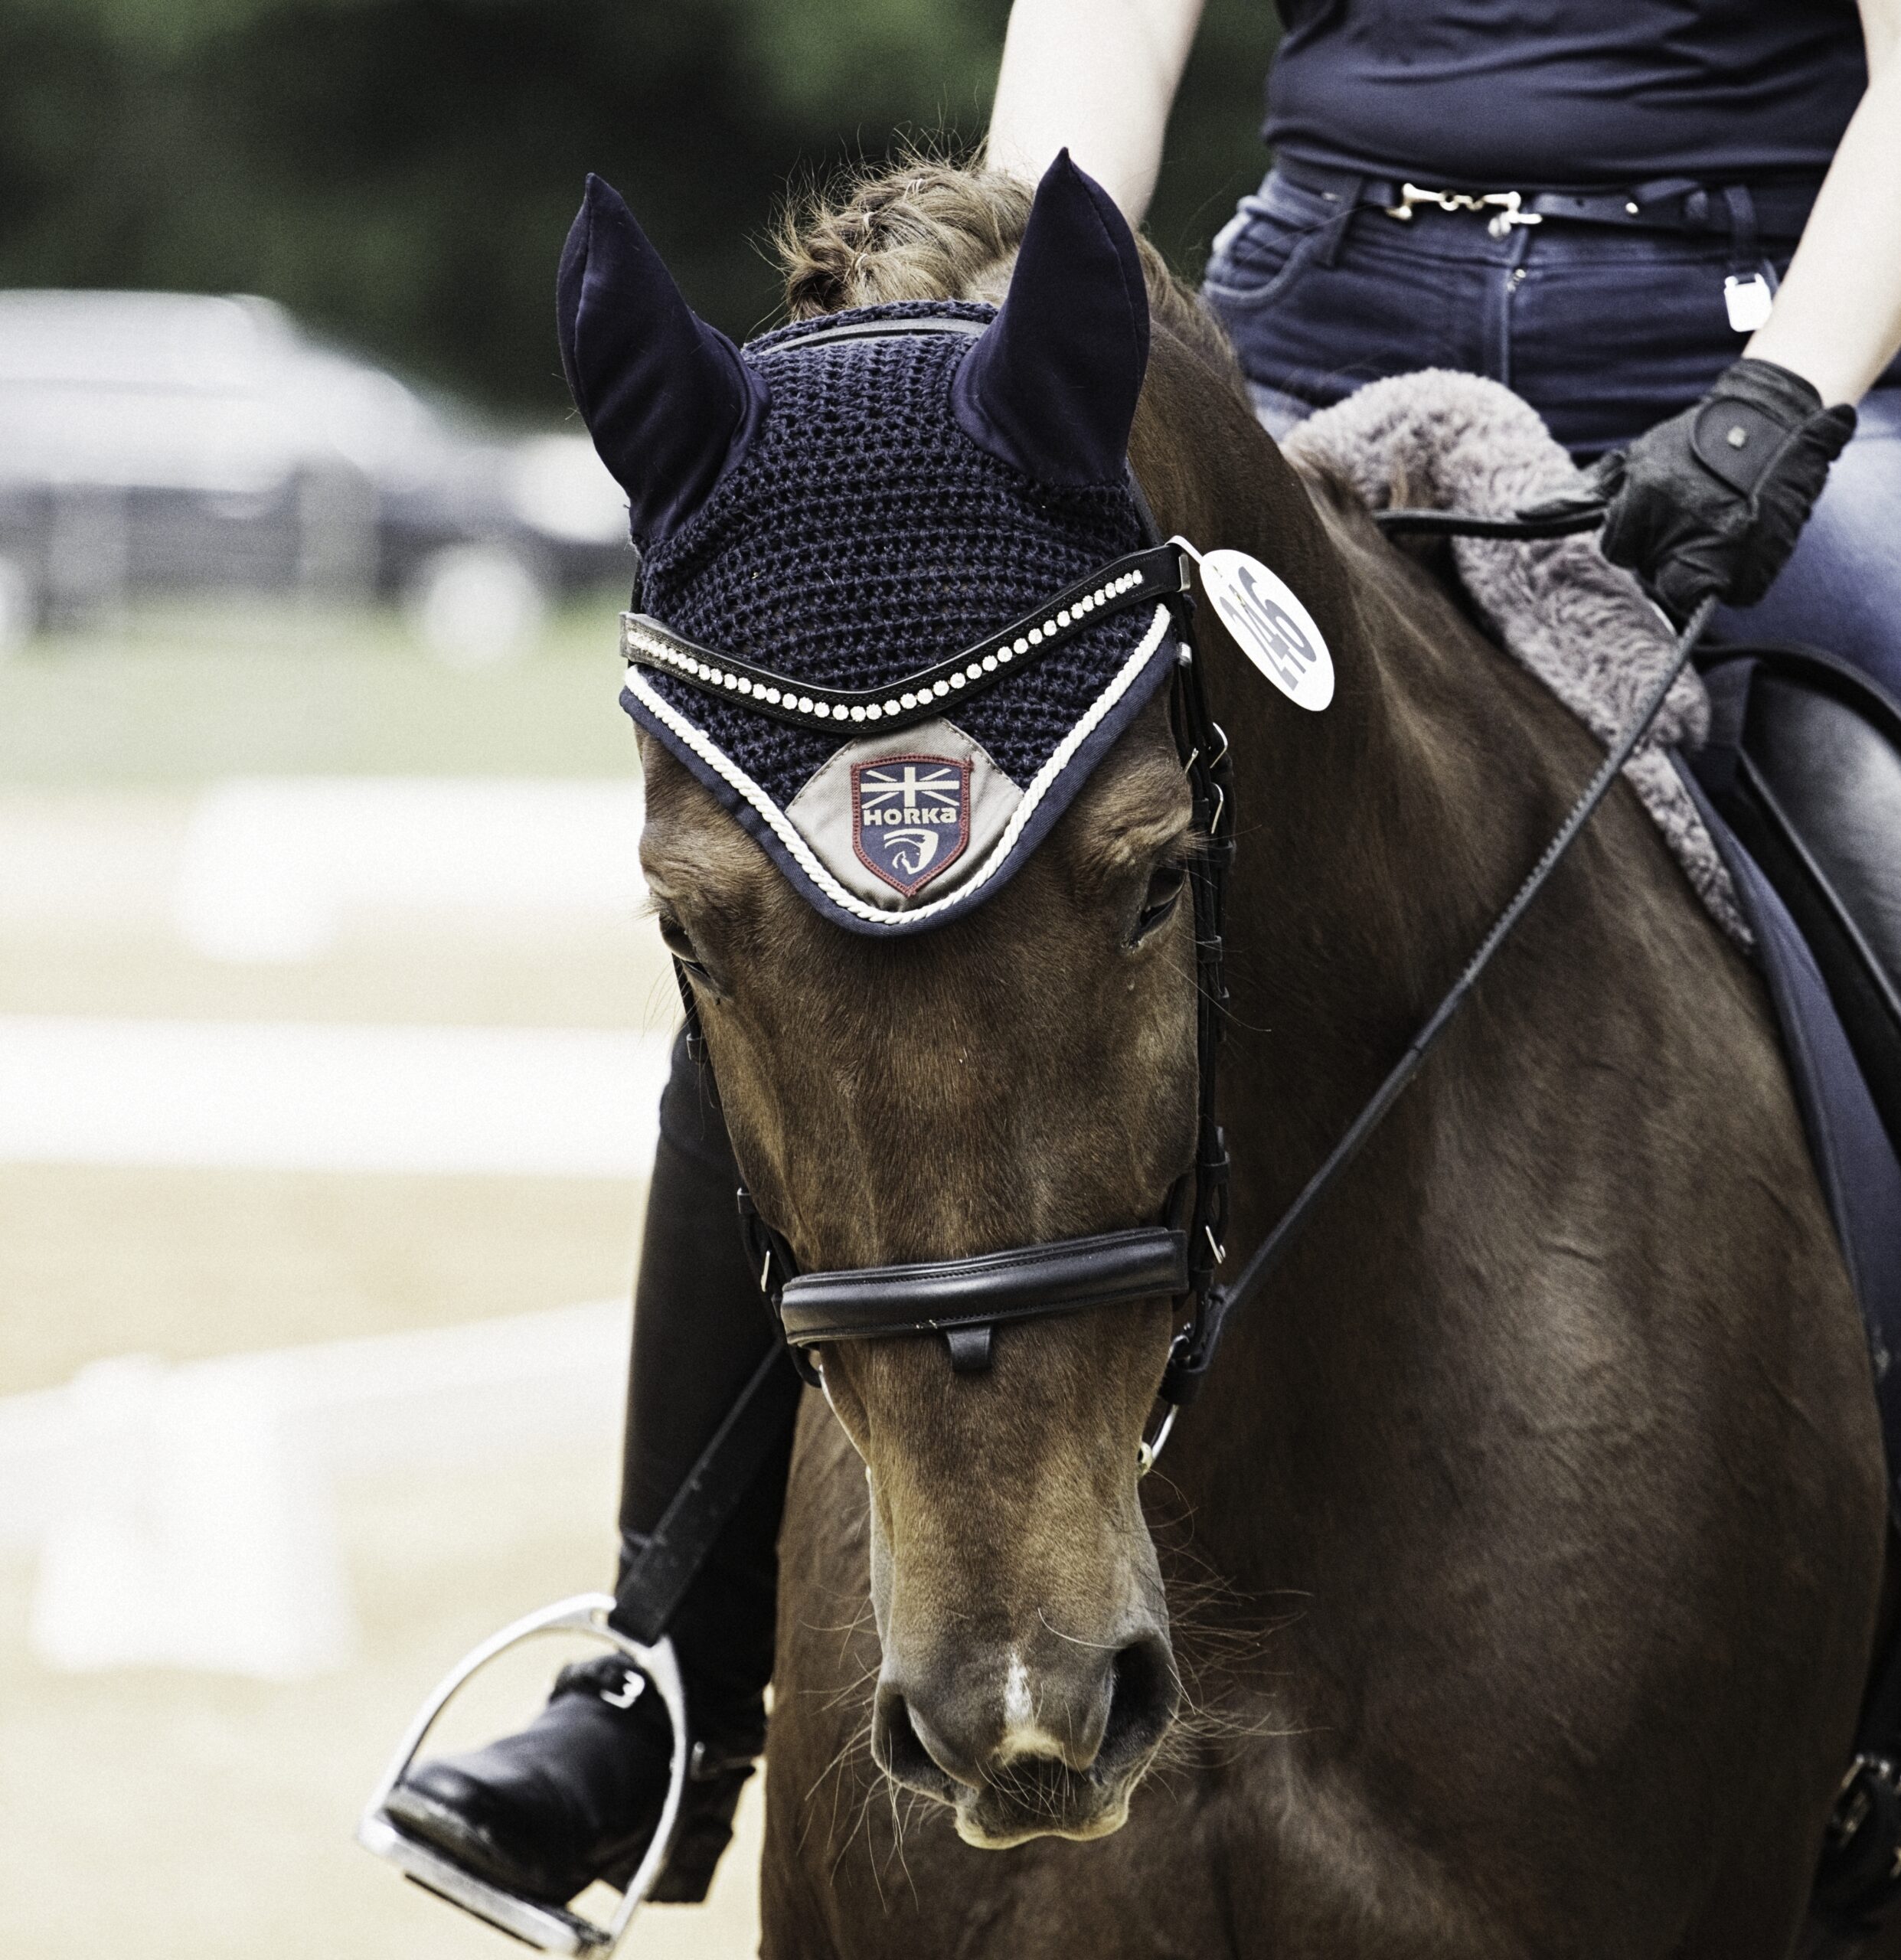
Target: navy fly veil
902,594
894,603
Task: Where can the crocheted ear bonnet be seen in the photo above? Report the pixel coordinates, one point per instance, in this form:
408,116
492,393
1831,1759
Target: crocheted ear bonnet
895,602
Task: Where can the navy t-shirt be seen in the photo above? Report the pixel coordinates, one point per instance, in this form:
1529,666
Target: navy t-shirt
1557,94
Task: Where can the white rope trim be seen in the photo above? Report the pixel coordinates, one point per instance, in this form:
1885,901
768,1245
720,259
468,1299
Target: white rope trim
702,746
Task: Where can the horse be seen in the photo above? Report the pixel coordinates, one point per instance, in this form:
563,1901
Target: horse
1510,1589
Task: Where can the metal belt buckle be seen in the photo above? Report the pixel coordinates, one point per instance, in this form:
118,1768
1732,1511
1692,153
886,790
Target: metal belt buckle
1506,206
552,1928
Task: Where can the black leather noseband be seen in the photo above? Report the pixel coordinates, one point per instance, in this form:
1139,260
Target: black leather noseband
963,1299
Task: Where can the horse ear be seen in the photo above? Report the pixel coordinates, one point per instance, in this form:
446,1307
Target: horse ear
667,398
1051,387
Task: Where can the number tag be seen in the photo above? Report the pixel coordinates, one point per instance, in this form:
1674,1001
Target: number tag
1749,301
1270,625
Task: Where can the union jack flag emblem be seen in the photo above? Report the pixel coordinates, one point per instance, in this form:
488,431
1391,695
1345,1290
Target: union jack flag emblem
910,817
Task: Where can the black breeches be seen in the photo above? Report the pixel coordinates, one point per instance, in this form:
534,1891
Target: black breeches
701,1330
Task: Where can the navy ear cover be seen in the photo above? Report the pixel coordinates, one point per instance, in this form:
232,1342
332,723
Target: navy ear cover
667,398
1051,387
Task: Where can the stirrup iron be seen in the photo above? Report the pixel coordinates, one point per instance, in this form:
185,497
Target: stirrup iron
552,1928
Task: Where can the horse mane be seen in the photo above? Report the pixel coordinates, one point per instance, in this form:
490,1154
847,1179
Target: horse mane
926,228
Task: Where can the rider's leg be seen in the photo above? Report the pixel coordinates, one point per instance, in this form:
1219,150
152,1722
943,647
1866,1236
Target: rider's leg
700,1331
575,1796
1841,590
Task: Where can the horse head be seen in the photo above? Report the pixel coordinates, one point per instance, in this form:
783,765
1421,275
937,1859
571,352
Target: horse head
902,1088
1025,1074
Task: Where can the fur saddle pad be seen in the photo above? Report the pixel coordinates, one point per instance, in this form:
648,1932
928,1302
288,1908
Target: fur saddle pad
1448,441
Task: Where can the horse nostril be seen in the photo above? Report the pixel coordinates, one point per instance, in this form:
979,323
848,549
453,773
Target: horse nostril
1145,1694
899,1750
1098,1718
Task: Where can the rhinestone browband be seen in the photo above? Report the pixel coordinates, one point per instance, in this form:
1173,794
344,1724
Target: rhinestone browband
1153,575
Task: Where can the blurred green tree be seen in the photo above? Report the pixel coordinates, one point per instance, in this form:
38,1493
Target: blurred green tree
400,173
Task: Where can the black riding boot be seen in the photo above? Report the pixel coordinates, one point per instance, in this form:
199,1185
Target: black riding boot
576,1795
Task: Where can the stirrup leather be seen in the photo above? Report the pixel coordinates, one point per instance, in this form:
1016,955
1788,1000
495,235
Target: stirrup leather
552,1928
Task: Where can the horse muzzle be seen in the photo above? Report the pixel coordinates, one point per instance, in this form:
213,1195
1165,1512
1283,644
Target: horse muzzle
1020,1752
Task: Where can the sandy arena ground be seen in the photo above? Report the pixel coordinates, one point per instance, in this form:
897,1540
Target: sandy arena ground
180,1815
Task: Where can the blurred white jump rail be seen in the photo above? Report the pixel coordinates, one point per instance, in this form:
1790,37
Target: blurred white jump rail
183,1515
509,1102
273,864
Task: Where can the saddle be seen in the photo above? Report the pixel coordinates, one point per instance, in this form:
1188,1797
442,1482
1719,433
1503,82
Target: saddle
1803,764
1800,781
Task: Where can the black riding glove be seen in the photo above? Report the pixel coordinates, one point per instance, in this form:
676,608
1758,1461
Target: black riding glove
1713,500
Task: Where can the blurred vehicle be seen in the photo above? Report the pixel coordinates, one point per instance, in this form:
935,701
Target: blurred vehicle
160,442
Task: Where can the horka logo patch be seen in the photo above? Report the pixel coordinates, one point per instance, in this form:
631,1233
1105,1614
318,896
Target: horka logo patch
910,817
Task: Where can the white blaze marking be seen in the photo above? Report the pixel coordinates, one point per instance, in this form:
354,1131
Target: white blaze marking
1023,1734
1018,1713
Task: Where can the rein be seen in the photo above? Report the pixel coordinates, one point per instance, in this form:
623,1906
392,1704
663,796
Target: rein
1188,1365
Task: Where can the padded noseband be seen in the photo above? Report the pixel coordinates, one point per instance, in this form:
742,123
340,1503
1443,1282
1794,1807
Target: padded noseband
963,1299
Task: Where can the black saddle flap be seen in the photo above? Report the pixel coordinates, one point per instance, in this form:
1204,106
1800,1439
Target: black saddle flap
1805,763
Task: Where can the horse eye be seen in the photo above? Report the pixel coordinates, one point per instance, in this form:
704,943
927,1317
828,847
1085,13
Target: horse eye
1165,891
676,938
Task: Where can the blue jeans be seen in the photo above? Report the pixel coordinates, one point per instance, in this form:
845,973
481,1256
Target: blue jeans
1604,331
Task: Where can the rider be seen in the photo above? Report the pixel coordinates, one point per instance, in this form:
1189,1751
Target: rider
1683,150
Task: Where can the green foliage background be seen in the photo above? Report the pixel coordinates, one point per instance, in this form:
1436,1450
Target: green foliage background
400,173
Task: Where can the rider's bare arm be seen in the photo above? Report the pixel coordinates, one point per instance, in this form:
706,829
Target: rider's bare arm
1838,319
1099,75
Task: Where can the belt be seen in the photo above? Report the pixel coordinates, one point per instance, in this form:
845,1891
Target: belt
1666,203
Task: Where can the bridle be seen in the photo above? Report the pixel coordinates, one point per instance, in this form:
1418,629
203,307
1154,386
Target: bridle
965,1300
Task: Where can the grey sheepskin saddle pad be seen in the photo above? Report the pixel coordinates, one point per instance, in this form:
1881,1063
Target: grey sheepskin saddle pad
1459,442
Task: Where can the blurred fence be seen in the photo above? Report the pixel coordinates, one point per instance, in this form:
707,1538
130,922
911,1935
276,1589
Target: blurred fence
184,1516
300,1096
271,865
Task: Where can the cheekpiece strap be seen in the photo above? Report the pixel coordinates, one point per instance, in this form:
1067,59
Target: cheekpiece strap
1149,576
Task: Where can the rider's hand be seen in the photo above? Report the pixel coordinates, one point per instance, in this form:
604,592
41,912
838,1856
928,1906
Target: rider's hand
1712,501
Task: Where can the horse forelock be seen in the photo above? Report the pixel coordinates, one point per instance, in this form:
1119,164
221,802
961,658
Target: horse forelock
927,228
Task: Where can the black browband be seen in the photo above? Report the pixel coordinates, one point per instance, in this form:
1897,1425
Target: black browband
965,1299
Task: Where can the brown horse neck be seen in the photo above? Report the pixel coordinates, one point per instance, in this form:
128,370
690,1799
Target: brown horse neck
1375,843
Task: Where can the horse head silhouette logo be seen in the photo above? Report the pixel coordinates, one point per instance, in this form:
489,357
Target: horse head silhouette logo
910,817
